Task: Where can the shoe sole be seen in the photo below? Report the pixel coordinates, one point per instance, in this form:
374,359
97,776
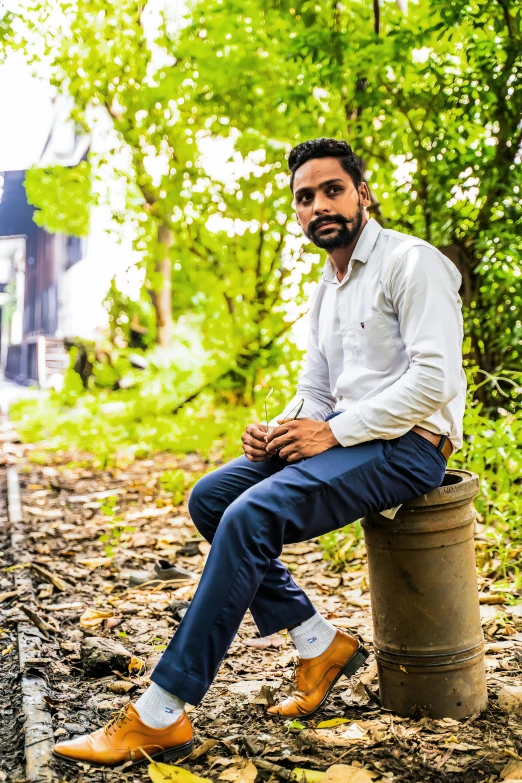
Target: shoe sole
165,755
357,660
155,581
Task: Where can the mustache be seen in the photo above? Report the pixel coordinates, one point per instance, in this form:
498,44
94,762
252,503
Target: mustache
318,222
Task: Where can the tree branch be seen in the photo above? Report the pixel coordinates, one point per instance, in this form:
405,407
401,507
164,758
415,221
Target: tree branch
376,17
507,18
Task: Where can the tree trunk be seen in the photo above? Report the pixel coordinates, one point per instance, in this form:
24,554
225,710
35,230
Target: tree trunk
161,298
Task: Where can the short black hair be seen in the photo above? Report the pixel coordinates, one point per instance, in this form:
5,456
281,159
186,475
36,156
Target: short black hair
326,148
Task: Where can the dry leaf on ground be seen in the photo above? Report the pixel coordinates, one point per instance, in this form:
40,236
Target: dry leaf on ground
328,724
276,640
56,580
244,773
340,737
369,674
93,617
37,511
512,771
355,695
346,773
252,688
95,562
136,665
166,773
510,698
120,686
203,748
308,775
8,594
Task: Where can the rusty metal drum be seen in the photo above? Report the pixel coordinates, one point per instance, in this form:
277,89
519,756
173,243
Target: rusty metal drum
427,633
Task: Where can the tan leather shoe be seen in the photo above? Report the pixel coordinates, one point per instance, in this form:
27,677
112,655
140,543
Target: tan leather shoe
120,739
315,677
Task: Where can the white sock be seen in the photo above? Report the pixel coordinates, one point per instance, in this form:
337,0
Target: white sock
313,637
159,708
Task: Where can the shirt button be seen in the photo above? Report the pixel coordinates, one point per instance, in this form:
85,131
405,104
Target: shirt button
343,332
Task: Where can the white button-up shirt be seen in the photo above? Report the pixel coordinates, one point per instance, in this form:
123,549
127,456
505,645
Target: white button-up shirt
385,343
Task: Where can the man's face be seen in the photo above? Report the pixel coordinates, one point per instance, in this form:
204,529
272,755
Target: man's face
330,209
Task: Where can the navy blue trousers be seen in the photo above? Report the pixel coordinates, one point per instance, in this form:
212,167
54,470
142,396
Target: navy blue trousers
249,511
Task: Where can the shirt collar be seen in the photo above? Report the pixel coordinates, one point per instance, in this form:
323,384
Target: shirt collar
362,250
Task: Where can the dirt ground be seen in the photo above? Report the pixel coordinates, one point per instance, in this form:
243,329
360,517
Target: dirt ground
65,513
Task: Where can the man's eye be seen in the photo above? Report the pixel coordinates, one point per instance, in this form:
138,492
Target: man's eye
303,198
334,189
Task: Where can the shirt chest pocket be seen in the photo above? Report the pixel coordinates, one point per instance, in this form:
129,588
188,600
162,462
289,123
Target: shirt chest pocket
374,343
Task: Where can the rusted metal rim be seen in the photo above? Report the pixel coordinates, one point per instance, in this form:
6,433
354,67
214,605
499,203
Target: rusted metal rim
429,660
384,650
457,487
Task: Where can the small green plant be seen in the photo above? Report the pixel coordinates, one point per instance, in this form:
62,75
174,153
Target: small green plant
39,457
116,526
342,546
173,482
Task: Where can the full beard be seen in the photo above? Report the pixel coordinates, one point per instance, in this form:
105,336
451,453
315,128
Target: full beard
341,237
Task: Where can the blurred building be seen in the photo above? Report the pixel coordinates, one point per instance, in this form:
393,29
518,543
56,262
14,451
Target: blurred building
42,300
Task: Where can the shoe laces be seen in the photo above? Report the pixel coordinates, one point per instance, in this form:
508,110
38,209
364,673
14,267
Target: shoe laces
117,720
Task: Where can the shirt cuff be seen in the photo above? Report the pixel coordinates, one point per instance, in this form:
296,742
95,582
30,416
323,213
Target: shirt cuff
349,429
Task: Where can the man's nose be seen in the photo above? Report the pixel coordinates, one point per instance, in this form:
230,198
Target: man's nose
321,205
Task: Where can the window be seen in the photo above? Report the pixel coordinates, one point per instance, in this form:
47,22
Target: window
75,250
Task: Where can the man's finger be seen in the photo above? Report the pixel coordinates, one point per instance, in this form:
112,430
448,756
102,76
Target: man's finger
294,456
259,445
283,431
253,449
252,458
253,437
286,427
281,441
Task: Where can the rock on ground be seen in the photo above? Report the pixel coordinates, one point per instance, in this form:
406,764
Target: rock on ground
101,656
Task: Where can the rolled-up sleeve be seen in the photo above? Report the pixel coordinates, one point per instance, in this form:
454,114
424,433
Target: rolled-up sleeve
423,286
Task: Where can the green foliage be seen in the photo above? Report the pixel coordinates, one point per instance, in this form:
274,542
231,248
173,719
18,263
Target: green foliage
131,322
173,482
39,457
72,387
117,427
62,197
492,450
6,22
116,526
343,547
431,100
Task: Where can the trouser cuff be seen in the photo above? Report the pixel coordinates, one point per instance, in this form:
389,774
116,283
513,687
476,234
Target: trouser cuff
179,683
279,621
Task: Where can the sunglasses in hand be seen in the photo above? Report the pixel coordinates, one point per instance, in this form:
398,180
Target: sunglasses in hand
292,416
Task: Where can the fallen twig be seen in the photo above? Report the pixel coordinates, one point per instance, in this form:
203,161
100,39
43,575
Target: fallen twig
40,623
275,769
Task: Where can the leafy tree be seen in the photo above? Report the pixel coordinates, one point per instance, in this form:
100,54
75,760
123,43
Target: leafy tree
432,101
99,54
62,197
6,18
215,247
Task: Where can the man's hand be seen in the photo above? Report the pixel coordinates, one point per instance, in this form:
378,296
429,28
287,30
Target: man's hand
254,443
301,438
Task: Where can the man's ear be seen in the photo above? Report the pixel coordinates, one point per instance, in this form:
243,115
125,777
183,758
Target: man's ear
365,195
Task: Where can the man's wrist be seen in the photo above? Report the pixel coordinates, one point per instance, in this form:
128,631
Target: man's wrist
332,440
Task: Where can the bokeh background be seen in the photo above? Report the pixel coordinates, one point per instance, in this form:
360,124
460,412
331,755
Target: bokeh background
154,283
